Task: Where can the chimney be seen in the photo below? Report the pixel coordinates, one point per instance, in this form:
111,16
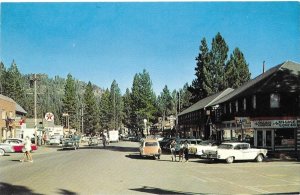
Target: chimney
263,67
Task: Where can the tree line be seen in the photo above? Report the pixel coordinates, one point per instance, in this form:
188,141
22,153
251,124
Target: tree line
95,109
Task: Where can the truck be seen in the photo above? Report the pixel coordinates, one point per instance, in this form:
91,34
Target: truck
113,136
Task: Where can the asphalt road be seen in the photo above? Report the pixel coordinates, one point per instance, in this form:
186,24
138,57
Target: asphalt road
119,169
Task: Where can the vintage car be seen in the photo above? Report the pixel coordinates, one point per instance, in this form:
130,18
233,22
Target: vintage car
232,151
205,145
150,147
18,144
6,148
72,142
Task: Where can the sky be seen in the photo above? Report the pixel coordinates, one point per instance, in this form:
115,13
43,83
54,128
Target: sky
105,41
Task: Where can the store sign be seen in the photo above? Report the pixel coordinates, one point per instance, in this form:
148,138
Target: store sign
274,124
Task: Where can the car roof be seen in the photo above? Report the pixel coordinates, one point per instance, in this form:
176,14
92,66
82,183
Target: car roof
150,140
234,143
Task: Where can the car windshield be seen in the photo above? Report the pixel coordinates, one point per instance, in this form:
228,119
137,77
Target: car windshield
225,146
151,144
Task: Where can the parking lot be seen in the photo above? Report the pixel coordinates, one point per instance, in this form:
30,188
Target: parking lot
119,169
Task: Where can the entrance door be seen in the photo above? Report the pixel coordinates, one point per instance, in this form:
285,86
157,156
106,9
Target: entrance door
264,138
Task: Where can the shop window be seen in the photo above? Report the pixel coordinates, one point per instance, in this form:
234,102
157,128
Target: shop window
284,138
254,101
230,109
245,104
274,100
236,106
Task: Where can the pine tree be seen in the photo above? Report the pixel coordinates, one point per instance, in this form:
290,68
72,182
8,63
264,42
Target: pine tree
127,110
105,108
202,85
165,102
184,97
69,100
90,110
236,70
219,52
13,85
143,100
116,106
2,75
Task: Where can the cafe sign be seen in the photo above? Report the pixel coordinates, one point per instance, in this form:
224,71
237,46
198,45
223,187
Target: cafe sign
277,124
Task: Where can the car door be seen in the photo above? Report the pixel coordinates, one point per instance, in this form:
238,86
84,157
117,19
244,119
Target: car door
238,152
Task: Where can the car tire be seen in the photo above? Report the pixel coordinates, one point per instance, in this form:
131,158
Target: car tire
158,157
2,152
259,158
230,159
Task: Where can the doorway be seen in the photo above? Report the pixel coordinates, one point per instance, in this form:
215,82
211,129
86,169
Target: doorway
265,139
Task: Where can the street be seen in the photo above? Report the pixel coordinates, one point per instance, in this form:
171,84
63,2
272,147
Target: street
119,169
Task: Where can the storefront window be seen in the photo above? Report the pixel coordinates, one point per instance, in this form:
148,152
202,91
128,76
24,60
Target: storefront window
236,106
284,137
245,104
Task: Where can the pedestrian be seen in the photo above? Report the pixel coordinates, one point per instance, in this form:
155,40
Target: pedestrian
104,140
186,150
173,149
27,149
180,154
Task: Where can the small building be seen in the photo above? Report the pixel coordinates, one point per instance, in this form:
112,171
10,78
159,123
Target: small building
11,115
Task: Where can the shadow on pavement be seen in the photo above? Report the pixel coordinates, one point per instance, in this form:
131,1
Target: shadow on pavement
6,188
66,192
138,157
153,190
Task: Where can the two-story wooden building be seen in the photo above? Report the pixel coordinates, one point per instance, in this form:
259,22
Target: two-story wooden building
196,121
265,111
11,113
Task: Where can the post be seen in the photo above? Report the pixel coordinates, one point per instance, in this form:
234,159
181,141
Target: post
35,114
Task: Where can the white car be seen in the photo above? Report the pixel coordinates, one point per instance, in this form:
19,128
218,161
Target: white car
54,141
205,145
232,151
6,148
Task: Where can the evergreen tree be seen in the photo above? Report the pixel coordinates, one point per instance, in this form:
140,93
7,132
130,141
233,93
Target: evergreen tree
69,100
236,70
90,110
127,110
143,100
116,106
165,102
13,85
202,85
2,77
184,97
105,110
219,52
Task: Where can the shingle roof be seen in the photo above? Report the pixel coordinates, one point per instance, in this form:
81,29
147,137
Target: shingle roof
293,67
206,101
18,107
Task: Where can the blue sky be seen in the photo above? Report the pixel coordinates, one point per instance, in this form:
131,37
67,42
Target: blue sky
100,42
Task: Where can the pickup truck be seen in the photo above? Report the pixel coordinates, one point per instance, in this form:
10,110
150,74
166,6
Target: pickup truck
232,151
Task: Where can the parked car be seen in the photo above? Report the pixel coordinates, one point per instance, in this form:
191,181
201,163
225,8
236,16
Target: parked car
150,147
6,148
93,141
71,142
232,151
54,140
18,144
192,143
205,145
163,142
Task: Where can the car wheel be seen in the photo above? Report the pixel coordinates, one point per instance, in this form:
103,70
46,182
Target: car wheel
259,158
2,152
158,156
230,159
154,157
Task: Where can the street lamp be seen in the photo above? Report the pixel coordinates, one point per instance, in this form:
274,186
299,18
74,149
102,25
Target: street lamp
145,123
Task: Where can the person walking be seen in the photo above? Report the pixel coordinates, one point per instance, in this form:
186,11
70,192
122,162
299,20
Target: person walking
173,150
27,149
186,150
104,140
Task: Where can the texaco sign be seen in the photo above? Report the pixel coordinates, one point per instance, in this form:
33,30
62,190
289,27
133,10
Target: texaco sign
49,117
